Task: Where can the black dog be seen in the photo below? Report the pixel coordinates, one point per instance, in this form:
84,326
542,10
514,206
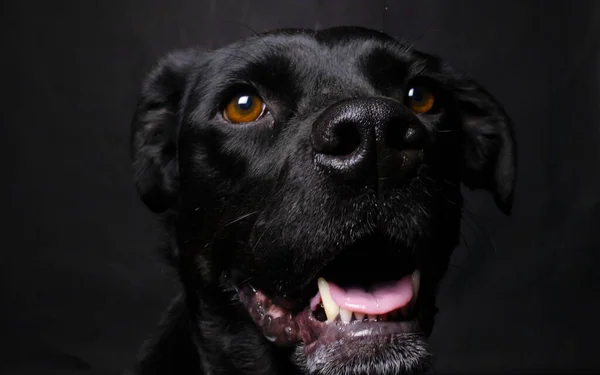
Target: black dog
309,183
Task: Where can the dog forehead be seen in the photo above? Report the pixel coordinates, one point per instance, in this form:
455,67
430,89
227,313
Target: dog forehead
346,57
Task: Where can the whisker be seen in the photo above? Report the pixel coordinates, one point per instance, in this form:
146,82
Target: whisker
259,238
241,218
246,26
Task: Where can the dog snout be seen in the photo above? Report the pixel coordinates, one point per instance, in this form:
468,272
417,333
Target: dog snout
368,140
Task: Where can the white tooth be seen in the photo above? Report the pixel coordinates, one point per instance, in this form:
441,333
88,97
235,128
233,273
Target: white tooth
416,280
345,315
330,307
359,316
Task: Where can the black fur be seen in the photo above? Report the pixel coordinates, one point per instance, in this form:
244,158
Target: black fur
250,203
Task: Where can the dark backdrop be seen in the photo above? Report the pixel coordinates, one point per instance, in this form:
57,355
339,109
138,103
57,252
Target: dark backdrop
81,282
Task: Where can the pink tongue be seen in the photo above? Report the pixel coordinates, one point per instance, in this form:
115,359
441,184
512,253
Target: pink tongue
381,299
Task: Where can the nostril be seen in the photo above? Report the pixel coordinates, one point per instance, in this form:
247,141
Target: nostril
343,140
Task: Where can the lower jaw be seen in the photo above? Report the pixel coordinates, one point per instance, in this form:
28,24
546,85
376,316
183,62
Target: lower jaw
396,353
287,329
368,333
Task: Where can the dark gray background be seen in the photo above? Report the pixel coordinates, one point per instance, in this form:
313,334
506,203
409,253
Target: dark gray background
81,284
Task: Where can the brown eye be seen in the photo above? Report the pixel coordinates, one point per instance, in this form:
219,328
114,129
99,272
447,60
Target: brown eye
420,99
244,108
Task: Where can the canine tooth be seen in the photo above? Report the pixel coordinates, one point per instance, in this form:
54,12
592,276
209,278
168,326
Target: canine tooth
345,315
359,316
330,307
416,281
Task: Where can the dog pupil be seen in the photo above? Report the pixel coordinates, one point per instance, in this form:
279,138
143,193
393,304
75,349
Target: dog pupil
245,103
415,94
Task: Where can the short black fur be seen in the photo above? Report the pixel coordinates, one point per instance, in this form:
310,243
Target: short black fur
258,203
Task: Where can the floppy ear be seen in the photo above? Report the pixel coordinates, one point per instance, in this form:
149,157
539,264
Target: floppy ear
154,130
489,144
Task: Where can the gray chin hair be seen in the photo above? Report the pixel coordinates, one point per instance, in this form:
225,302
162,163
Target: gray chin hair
392,355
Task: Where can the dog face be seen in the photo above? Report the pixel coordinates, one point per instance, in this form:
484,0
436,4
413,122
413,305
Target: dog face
310,182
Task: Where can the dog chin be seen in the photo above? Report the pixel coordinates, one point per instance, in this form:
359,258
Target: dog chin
405,353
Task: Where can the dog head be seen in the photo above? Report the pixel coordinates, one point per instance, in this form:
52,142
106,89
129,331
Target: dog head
310,182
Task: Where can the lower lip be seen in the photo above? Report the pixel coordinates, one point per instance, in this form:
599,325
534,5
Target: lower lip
336,331
287,330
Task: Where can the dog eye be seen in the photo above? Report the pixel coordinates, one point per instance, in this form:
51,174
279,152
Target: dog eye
420,99
244,108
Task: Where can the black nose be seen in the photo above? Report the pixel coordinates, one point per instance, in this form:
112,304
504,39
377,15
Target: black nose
368,140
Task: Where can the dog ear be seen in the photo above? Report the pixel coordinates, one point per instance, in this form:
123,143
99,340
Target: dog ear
489,144
154,130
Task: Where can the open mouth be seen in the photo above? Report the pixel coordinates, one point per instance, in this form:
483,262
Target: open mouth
378,306
391,301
